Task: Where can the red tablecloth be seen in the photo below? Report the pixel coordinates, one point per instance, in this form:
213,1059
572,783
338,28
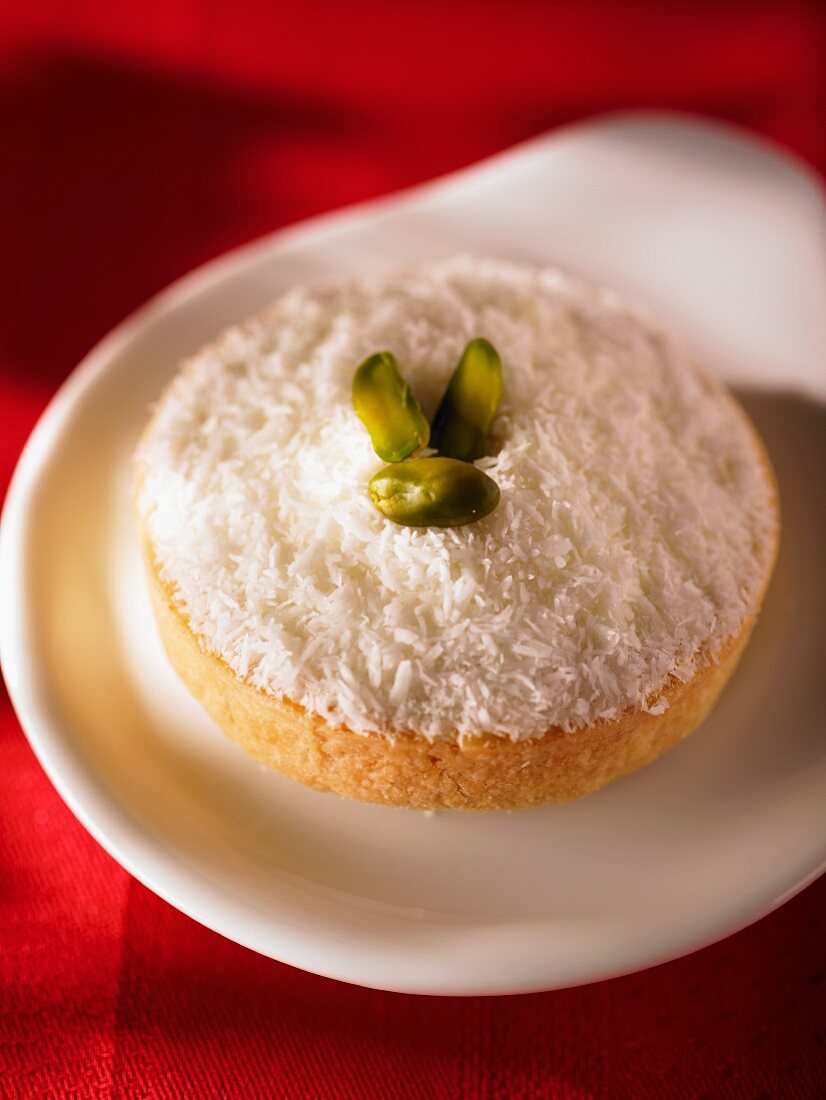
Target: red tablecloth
138,140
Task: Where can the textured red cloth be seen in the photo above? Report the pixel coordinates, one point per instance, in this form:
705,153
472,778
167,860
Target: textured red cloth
138,140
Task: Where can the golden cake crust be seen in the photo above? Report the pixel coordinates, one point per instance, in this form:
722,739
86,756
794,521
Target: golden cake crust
481,773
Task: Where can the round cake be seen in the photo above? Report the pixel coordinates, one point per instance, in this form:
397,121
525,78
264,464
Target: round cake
572,635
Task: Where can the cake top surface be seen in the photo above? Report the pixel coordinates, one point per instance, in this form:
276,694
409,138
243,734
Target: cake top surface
633,537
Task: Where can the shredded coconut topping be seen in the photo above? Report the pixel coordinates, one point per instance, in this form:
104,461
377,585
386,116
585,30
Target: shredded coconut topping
633,537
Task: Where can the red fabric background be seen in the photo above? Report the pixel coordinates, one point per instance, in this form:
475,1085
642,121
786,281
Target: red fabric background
140,140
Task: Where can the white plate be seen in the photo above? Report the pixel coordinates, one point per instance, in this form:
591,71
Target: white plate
719,232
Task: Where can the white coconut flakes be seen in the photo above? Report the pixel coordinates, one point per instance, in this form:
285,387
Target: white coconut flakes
632,539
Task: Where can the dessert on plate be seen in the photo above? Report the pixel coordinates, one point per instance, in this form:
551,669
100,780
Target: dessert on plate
466,534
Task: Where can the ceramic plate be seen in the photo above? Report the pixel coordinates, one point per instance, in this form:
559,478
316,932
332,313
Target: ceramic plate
721,234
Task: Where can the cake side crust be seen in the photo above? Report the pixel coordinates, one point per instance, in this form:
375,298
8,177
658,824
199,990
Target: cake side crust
480,773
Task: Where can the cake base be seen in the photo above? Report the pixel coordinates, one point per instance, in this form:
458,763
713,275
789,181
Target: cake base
481,773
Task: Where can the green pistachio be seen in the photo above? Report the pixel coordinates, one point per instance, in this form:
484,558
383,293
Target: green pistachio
433,492
387,408
463,419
